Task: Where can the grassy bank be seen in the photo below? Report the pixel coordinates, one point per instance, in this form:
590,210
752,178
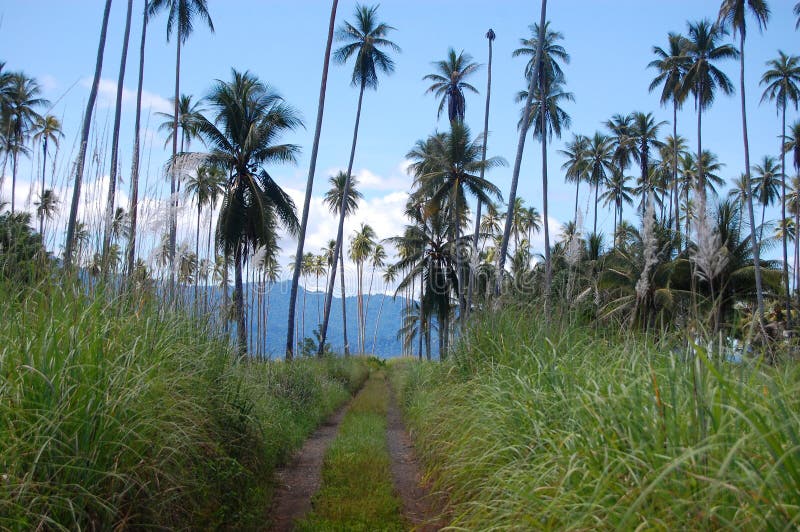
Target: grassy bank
357,491
573,430
114,414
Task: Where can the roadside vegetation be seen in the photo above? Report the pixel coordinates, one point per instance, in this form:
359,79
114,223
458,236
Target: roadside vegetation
575,428
116,413
357,491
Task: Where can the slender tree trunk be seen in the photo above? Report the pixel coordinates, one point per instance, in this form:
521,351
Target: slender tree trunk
761,227
512,196
340,232
225,299
238,294
303,315
41,195
456,237
173,178
548,266
753,241
596,202
211,255
87,123
344,303
134,204
197,255
784,239
577,191
474,270
675,193
309,186
112,181
378,321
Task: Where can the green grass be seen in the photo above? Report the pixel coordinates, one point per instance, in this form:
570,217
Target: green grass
114,413
357,491
571,429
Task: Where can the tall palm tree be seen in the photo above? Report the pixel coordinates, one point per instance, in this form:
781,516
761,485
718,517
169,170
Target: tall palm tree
361,248
599,162
450,174
363,41
548,119
133,209
621,140
617,193
512,195
22,97
188,111
112,181
671,65
47,129
204,187
449,83
782,82
490,36
766,184
46,208
181,15
249,117
376,260
337,202
87,123
643,137
733,14
792,146
301,237
552,53
575,169
671,152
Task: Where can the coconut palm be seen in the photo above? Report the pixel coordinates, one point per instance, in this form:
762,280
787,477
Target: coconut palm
792,146
46,208
376,260
181,16
733,14
644,136
301,237
512,195
671,152
188,112
362,246
617,193
205,186
112,181
575,169
622,144
47,129
249,118
87,122
490,36
766,184
671,65
448,83
364,41
782,82
599,163
22,97
552,53
134,200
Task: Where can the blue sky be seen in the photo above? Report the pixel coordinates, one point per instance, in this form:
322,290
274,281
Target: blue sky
610,42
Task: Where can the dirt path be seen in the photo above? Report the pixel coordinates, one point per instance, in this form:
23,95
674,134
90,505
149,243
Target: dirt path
420,507
299,480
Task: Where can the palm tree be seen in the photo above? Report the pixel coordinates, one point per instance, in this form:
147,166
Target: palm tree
249,118
782,82
364,41
181,15
336,202
449,85
671,65
361,248
733,14
643,136
796,11
548,119
617,193
46,208
301,237
599,161
48,129
377,260
450,173
134,201
188,111
205,186
575,169
87,123
112,182
21,95
766,183
490,36
512,195
671,152
622,144
792,146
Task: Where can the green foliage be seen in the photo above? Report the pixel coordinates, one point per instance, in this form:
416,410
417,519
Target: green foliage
357,491
573,429
114,414
22,255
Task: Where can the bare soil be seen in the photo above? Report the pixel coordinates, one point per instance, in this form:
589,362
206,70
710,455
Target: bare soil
421,508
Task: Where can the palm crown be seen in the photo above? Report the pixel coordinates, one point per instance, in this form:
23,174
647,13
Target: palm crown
449,85
364,40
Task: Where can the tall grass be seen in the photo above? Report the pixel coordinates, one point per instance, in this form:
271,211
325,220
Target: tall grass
571,429
115,414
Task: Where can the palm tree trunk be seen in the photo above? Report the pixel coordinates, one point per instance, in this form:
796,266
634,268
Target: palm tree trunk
475,236
753,242
785,240
378,321
238,294
596,203
340,235
761,227
173,200
134,205
197,255
675,198
303,314
41,195
344,305
301,237
212,256
456,236
577,192
225,301
512,196
548,267
87,123
112,181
